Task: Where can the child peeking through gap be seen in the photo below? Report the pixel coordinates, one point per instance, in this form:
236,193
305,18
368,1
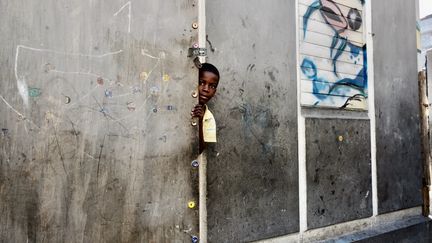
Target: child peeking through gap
207,85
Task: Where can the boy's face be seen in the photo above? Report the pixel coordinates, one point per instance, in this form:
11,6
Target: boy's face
207,85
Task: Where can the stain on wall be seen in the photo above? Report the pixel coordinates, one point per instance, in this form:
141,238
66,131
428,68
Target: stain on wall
333,60
83,158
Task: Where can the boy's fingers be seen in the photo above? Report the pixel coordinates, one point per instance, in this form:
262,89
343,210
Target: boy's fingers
197,111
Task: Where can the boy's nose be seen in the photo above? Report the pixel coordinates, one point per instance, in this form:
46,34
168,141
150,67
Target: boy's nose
205,88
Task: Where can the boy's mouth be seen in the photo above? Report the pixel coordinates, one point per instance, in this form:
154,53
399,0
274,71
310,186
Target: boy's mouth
202,97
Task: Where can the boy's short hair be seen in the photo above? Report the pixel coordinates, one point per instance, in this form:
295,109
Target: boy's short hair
207,67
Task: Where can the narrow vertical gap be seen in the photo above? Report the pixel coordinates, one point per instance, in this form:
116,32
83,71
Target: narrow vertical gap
202,174
371,106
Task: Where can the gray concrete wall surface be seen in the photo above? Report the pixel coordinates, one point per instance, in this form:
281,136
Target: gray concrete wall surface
399,166
253,169
338,162
95,141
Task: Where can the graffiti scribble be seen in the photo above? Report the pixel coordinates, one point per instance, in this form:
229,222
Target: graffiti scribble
344,22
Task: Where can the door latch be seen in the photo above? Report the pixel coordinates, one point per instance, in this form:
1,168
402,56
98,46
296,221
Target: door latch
195,53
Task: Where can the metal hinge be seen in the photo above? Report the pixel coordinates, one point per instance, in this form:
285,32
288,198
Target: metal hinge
197,52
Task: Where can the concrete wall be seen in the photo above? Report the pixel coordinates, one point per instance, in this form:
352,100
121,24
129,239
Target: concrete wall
248,185
398,154
252,170
96,142
338,171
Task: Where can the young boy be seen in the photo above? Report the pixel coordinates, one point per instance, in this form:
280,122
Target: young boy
207,85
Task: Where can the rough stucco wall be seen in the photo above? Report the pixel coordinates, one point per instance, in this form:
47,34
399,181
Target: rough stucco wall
338,171
253,169
96,143
396,101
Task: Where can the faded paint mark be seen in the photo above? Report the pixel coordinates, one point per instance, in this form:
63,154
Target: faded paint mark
84,96
100,81
154,90
143,76
129,4
34,92
131,106
64,53
145,53
20,115
21,82
23,90
49,67
49,116
108,93
166,77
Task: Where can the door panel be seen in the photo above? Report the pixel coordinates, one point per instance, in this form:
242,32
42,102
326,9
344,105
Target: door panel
96,140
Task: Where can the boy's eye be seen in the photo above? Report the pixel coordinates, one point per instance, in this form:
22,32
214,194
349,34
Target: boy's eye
213,86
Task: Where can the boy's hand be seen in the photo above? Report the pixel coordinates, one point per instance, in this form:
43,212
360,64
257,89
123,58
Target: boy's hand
198,111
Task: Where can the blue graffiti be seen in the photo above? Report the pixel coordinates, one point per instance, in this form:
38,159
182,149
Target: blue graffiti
309,69
360,81
311,9
339,43
320,85
355,50
340,24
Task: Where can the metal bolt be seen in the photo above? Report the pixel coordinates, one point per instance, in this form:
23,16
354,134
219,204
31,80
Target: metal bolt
194,94
195,163
195,25
340,138
195,45
194,123
155,110
67,100
191,204
194,239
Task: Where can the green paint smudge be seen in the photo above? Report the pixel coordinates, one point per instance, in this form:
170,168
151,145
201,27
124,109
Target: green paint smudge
34,92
